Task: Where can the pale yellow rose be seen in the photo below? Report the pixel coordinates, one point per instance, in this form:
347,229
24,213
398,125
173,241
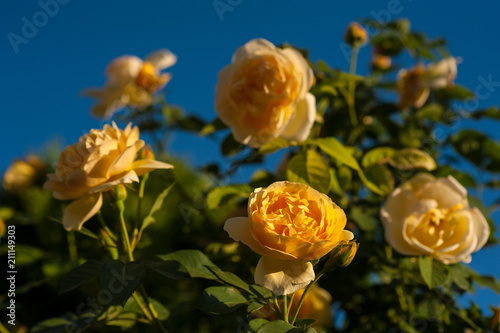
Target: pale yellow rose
22,174
289,224
99,161
414,85
131,81
429,216
263,94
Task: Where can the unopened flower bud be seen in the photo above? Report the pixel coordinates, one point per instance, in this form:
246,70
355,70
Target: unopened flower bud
381,62
147,153
355,35
341,256
120,192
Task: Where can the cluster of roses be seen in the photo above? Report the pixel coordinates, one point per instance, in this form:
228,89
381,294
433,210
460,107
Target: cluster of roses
262,95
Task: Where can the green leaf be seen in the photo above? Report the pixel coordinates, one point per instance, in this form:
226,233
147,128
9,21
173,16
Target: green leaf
381,177
255,324
62,324
366,222
492,112
277,326
434,272
220,196
337,151
432,111
214,126
461,276
309,167
411,158
156,207
88,271
120,280
125,320
458,92
305,323
25,254
230,146
377,156
425,265
192,262
191,123
275,145
171,269
488,281
221,300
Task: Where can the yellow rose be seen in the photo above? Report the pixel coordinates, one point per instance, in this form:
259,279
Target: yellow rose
22,174
131,81
263,94
414,85
99,161
288,224
429,216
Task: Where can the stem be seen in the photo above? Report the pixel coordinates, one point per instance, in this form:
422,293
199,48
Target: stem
352,87
138,224
141,305
277,306
126,240
105,226
285,308
295,314
152,309
73,253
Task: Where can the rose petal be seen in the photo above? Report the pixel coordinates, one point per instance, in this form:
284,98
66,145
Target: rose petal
125,160
283,277
300,125
144,166
81,210
129,177
256,46
238,229
446,191
162,59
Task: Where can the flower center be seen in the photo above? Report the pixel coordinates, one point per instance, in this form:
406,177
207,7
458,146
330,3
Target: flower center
149,79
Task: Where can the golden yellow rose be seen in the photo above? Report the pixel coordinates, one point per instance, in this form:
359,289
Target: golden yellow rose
22,174
429,216
263,94
414,85
131,81
288,224
99,161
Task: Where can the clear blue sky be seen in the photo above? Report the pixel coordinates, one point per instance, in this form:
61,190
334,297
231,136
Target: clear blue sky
71,48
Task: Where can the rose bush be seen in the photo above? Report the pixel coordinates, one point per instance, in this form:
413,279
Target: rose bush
429,216
99,161
263,94
289,224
